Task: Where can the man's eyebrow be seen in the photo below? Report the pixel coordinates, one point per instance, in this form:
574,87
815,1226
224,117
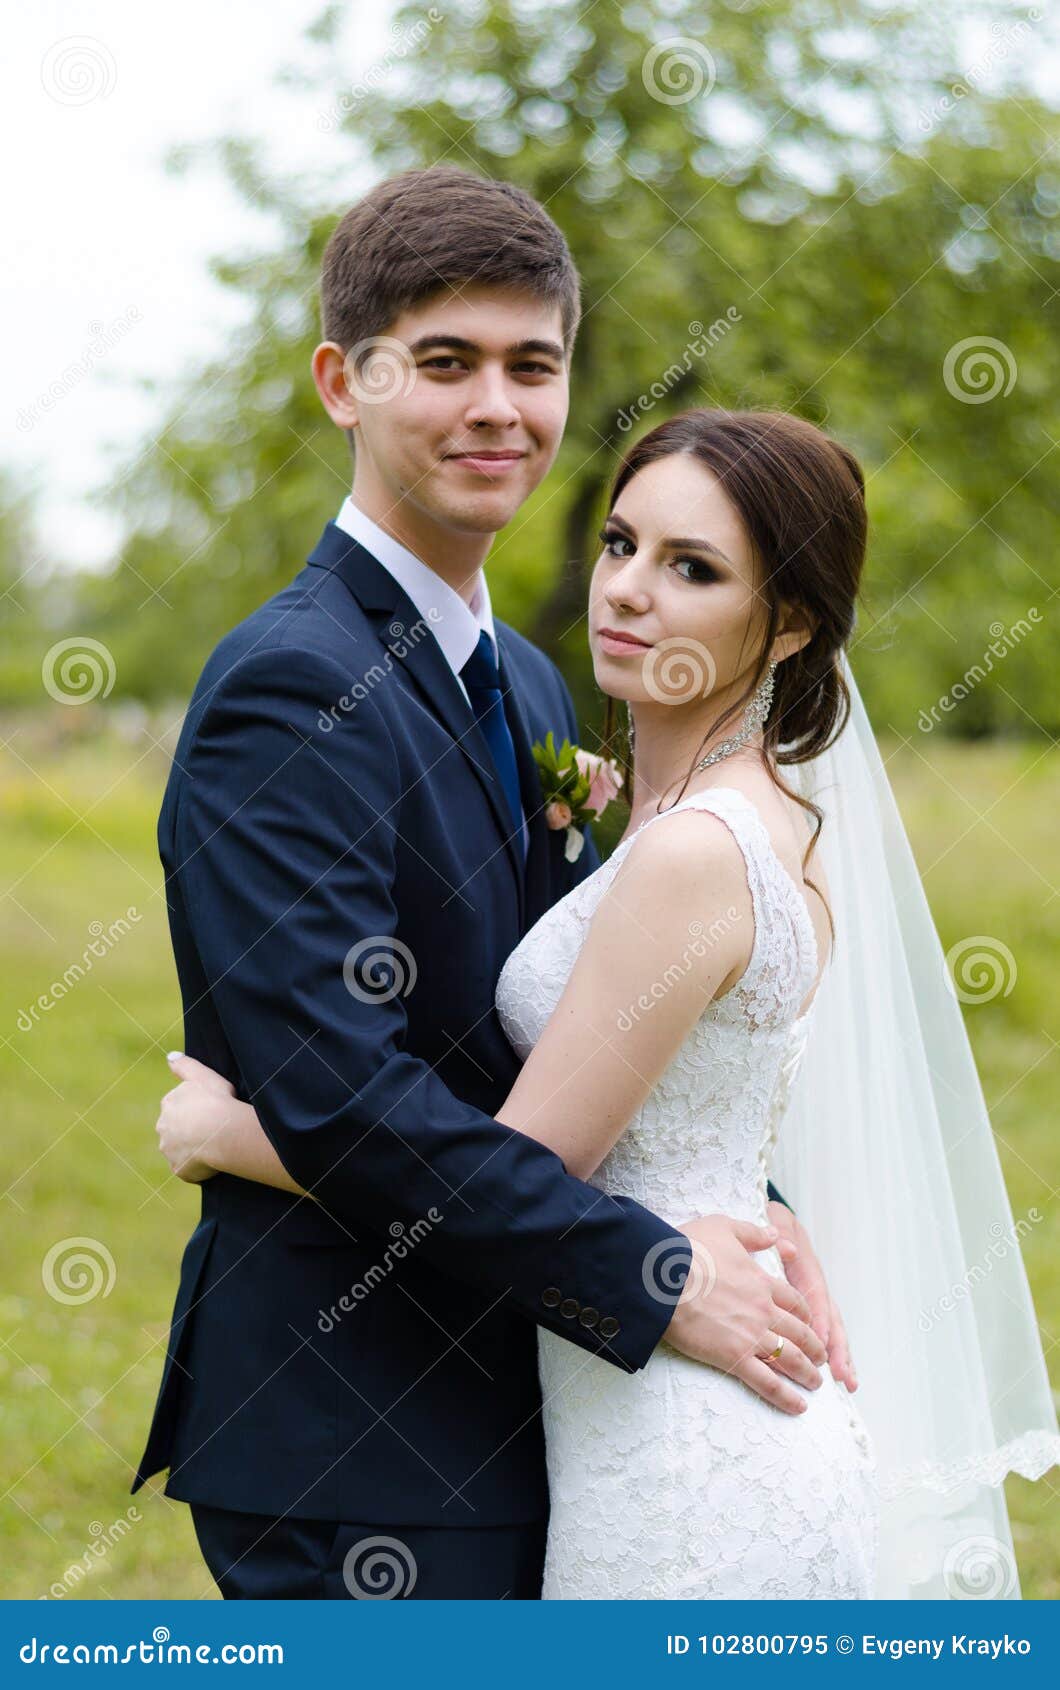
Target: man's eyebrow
550,348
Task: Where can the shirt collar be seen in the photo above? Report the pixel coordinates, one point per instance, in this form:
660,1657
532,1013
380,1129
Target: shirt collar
455,624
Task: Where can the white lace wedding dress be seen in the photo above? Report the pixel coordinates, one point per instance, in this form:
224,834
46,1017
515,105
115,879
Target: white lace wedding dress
677,1480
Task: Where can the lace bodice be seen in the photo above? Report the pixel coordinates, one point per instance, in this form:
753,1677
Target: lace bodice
705,1134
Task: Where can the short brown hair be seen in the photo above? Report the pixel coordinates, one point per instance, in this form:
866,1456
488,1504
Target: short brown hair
430,229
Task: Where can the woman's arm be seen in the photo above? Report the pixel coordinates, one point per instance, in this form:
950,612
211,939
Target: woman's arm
673,931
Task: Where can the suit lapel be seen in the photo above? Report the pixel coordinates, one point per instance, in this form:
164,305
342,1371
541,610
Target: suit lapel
407,638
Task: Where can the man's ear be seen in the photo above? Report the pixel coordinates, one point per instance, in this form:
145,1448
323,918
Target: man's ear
328,366
796,629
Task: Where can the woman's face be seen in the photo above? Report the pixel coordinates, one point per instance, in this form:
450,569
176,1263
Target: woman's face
676,575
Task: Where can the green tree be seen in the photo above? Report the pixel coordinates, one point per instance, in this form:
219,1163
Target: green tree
798,181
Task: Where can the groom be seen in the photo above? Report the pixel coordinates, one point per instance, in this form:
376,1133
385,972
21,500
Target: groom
353,843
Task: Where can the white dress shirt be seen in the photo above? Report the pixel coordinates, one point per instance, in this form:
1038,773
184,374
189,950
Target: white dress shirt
455,624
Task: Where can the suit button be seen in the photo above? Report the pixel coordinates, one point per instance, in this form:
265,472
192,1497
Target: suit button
551,1296
569,1307
589,1317
608,1326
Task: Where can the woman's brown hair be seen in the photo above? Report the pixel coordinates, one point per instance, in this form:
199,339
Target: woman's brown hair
801,497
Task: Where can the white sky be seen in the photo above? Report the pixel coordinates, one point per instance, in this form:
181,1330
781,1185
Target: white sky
96,230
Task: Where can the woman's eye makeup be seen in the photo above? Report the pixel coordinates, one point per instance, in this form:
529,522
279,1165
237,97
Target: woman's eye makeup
700,571
703,571
611,537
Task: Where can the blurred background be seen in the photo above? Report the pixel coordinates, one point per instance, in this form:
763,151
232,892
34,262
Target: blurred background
847,210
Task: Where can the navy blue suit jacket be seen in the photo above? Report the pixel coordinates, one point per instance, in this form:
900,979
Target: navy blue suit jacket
372,1355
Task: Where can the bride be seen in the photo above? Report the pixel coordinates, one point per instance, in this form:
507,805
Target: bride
756,953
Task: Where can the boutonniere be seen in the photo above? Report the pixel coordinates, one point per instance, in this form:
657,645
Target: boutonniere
577,787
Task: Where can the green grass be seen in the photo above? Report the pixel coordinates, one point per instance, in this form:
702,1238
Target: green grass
78,1380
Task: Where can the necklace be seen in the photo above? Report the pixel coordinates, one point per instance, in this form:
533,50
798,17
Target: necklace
754,719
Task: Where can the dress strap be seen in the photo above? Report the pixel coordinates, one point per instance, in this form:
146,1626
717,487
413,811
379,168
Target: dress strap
785,942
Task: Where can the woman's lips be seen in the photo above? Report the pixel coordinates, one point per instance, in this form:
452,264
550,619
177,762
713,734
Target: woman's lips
620,645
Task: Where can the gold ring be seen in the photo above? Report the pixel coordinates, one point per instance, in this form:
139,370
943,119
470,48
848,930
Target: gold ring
773,1354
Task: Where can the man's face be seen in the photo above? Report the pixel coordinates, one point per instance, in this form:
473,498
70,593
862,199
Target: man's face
460,411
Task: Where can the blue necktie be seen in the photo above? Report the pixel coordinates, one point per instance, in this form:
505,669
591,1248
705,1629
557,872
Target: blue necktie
482,679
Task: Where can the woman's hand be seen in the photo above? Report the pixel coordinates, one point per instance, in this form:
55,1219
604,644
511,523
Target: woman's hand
203,1129
193,1117
804,1271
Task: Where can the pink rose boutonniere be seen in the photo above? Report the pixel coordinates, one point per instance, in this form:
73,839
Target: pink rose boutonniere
577,787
